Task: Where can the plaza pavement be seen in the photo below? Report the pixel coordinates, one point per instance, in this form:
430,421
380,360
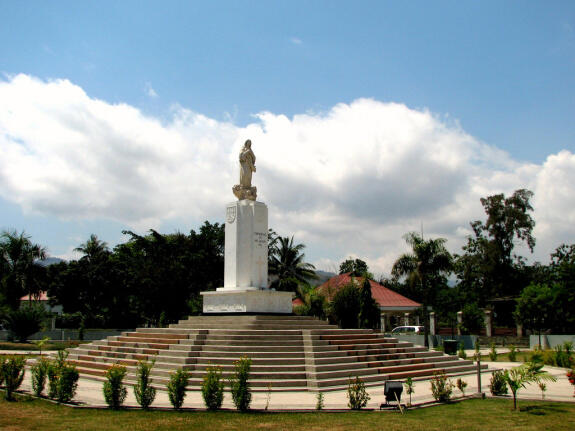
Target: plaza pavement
90,393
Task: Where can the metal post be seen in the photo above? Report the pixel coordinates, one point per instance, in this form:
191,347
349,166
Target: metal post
479,376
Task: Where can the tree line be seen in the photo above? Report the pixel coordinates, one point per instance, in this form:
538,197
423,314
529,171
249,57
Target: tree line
155,279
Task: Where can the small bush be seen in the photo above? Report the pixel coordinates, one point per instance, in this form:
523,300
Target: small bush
409,388
39,374
461,385
239,385
144,392
53,372
114,389
12,372
563,355
536,356
497,385
2,362
357,394
213,388
461,352
441,387
319,401
512,355
493,353
67,383
177,388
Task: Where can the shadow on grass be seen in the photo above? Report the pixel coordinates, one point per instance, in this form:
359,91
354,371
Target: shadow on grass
543,409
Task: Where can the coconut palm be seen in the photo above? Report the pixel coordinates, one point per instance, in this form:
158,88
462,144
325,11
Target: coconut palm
92,248
19,266
286,261
423,268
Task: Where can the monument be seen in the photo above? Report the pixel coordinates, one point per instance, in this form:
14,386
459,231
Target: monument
245,287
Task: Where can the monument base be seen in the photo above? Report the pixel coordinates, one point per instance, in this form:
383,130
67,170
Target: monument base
247,301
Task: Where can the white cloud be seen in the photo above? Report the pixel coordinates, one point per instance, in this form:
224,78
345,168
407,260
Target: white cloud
347,182
296,41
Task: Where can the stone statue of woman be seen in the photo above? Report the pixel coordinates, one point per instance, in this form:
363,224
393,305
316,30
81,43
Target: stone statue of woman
247,164
244,189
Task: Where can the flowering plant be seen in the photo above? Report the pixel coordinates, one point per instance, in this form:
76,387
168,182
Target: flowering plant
571,376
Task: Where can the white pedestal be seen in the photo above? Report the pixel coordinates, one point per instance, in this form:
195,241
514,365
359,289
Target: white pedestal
249,301
246,255
246,265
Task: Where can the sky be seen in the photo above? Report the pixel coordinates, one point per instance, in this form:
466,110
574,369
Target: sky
369,119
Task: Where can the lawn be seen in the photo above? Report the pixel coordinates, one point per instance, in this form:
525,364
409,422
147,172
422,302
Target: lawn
489,414
52,345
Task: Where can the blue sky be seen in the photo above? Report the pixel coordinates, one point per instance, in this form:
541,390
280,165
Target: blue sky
498,74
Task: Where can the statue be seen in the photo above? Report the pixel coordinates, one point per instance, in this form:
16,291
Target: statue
244,189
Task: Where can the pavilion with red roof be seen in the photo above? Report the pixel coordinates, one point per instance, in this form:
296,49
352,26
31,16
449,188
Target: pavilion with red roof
392,305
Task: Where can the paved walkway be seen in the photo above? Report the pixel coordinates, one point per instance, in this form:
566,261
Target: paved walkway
90,393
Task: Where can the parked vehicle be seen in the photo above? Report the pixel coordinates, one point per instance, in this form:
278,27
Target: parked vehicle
408,330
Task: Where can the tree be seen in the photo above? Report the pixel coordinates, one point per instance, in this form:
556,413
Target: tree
93,248
535,308
344,307
368,310
425,268
518,377
21,274
287,262
356,268
562,278
488,266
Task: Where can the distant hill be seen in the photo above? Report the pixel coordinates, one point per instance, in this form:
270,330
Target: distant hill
323,276
50,261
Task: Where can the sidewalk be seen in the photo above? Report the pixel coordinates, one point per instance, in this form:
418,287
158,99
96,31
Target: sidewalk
90,393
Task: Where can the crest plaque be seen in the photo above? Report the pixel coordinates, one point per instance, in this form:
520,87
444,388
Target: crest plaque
231,214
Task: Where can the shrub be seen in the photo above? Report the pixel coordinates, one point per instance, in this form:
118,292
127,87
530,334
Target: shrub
536,356
2,362
24,321
39,374
319,401
114,390
12,372
563,355
497,385
441,387
144,392
461,352
461,385
493,353
67,383
512,353
62,378
239,385
356,394
213,388
409,387
177,388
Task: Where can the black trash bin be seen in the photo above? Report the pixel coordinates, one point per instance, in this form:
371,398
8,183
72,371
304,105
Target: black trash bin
450,347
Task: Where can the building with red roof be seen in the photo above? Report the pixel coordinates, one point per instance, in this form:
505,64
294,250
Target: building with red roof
394,308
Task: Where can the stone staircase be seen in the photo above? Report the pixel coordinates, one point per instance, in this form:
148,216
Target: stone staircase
288,353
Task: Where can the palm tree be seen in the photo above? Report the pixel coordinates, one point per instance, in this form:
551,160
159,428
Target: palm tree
19,266
287,263
423,268
92,248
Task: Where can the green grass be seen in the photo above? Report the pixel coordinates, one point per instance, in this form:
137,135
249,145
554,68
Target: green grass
522,356
490,414
54,345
